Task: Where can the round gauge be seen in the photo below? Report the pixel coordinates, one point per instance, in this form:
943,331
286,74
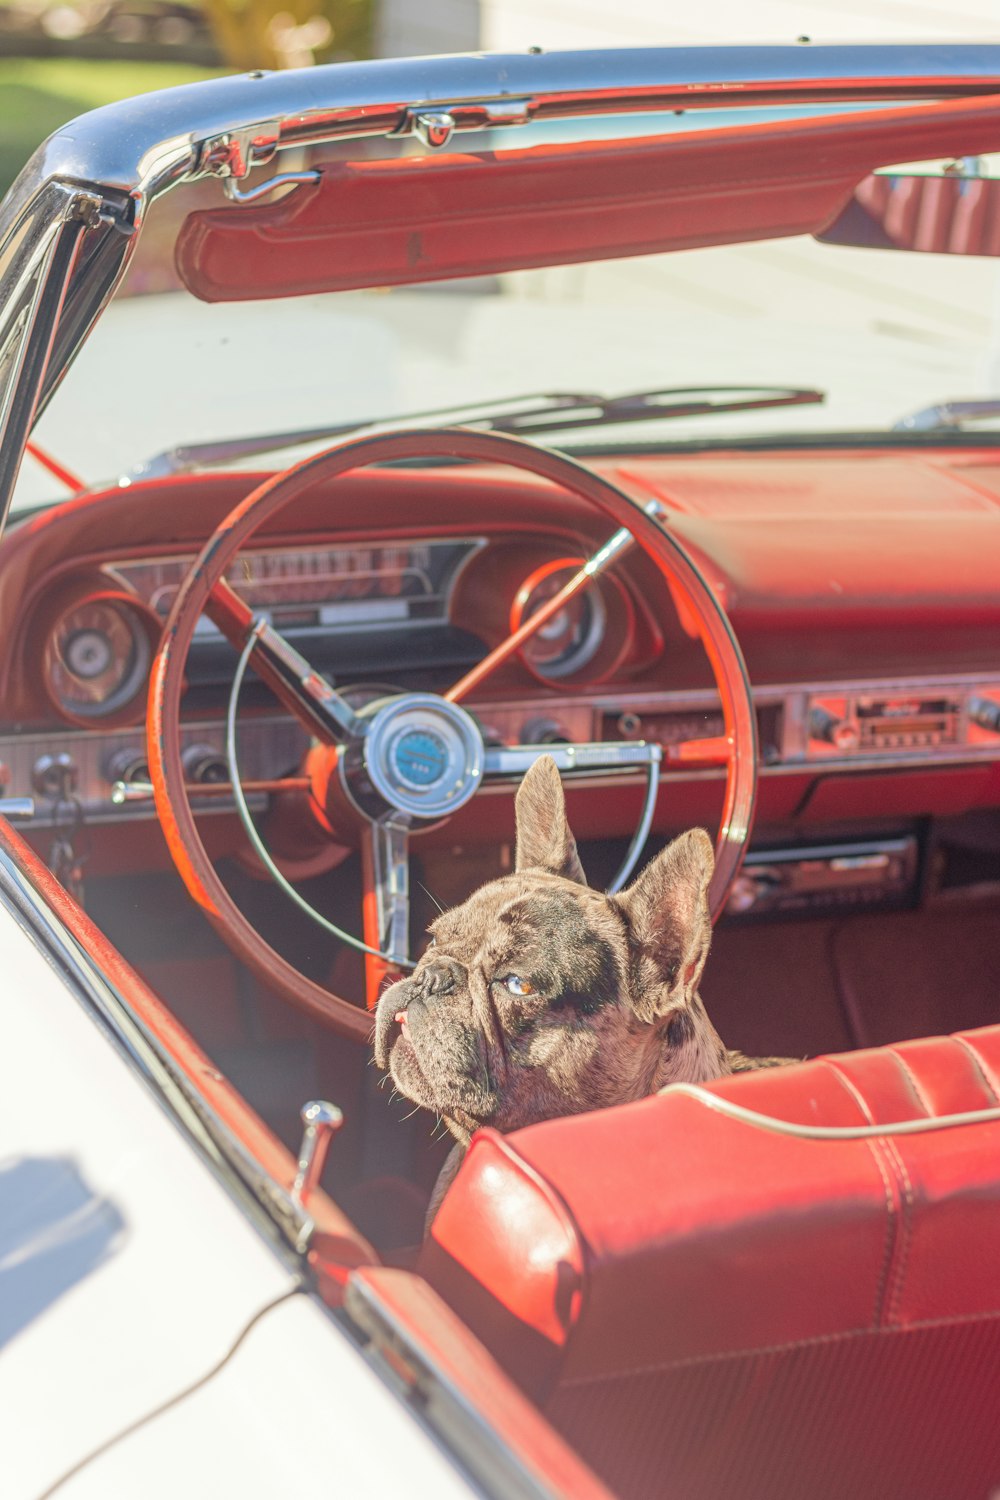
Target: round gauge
97,657
570,639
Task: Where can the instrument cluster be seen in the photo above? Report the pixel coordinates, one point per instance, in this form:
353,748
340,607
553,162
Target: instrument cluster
348,587
352,608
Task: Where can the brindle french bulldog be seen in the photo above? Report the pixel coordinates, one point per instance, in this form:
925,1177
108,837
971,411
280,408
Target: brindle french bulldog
540,997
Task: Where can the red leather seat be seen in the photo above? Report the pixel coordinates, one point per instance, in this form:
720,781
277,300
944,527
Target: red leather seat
706,1308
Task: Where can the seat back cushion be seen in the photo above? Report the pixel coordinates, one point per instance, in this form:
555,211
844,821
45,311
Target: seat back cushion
708,1308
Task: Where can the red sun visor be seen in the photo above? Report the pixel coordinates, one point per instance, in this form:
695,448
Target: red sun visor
426,218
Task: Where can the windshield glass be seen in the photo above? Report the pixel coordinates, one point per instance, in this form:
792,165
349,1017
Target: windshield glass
882,333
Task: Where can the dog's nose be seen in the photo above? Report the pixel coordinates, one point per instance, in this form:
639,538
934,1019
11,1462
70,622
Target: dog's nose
440,977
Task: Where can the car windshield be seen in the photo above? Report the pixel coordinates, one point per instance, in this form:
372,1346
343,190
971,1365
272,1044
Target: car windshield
883,334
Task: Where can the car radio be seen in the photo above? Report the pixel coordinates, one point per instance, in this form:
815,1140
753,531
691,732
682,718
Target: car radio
818,879
876,724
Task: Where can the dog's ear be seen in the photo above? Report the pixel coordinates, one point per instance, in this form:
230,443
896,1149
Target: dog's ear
667,913
544,841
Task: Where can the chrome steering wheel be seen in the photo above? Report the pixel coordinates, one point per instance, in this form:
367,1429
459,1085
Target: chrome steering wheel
410,760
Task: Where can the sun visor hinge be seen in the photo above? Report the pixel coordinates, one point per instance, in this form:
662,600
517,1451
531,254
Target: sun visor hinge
436,125
233,155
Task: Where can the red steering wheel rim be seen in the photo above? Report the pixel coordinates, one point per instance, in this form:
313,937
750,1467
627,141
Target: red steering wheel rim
167,676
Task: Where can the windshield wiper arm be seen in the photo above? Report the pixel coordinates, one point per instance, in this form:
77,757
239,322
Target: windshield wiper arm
949,414
527,415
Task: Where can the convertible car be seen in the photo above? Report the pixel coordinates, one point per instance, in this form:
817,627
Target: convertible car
365,433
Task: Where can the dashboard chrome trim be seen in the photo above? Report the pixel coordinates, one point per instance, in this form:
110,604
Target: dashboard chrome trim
273,743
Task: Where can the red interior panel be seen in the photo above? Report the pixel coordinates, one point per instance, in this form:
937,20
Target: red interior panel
390,223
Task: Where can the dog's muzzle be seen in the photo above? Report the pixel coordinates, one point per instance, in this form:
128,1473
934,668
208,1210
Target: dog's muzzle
440,976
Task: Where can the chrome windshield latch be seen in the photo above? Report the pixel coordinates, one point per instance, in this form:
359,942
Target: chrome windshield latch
233,155
436,125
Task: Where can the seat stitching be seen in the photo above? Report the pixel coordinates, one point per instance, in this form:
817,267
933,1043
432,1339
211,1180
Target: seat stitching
905,1231
851,1088
979,1065
876,1148
817,1341
914,1083
876,1151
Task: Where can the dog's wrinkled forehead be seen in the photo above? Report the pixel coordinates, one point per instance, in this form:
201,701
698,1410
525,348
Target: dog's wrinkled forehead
565,931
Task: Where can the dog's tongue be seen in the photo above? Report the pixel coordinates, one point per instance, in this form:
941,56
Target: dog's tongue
400,1016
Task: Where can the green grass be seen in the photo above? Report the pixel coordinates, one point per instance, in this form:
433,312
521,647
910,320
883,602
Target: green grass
37,95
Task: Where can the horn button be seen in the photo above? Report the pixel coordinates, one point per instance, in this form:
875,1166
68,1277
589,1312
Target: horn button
421,756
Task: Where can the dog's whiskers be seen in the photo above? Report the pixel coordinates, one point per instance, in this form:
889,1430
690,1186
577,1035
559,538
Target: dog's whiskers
431,897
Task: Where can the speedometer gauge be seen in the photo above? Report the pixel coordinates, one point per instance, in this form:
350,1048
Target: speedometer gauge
568,641
97,657
587,639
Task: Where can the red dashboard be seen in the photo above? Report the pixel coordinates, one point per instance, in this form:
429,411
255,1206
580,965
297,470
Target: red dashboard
862,585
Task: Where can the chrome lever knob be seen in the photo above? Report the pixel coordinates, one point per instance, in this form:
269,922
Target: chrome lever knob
321,1121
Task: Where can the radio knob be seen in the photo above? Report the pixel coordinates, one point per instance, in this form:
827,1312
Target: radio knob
55,775
544,732
743,895
985,713
128,764
844,734
203,763
750,885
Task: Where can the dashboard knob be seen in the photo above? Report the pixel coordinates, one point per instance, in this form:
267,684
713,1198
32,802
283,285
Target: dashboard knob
985,713
743,896
749,886
129,764
843,734
55,775
205,764
544,732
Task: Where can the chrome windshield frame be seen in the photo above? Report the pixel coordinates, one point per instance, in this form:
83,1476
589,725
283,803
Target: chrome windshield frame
51,228
110,165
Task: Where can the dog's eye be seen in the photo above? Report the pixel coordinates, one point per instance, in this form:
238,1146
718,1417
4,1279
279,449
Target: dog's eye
515,985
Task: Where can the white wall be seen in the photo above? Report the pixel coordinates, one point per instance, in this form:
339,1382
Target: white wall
418,28
513,24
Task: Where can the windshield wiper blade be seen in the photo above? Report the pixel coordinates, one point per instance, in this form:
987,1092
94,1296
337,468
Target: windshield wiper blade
527,415
949,414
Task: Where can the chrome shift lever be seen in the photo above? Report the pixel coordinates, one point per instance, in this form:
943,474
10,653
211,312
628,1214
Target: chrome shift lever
321,1121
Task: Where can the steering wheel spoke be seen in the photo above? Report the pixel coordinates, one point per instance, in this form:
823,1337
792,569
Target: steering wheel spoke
385,868
303,691
389,840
